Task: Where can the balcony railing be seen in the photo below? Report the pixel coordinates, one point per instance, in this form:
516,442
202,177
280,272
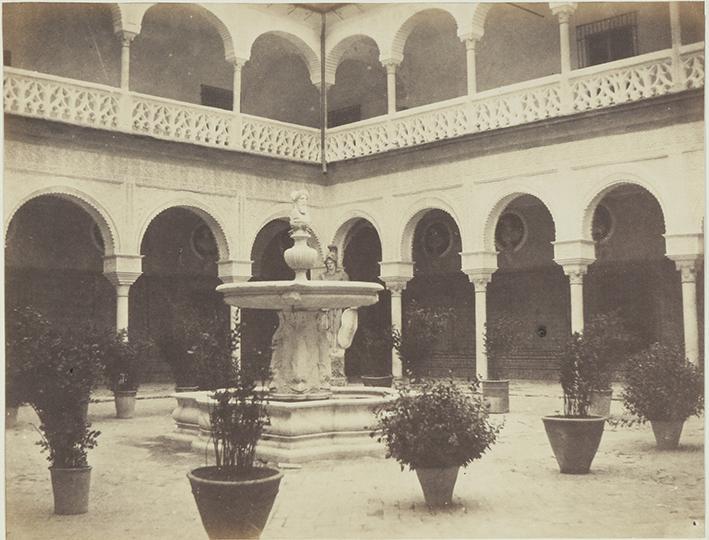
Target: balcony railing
654,74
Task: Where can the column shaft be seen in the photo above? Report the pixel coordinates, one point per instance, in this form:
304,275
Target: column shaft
576,290
470,64
480,322
122,309
676,32
391,88
396,322
689,309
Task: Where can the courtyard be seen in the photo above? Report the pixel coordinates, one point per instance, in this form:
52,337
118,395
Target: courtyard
139,488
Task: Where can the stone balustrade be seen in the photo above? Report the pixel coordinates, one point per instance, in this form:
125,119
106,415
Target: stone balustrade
81,103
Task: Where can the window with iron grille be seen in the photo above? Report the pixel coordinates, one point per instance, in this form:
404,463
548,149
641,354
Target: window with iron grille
607,40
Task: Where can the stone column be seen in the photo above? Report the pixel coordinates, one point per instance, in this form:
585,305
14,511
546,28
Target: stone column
396,288
676,31
125,116
470,44
235,134
563,11
122,271
576,273
391,66
688,270
480,282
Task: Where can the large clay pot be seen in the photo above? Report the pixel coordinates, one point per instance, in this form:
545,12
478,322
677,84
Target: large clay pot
601,403
496,394
234,508
11,417
437,485
71,489
574,441
125,403
667,433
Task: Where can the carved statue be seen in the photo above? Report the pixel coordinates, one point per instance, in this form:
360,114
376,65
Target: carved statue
339,325
300,215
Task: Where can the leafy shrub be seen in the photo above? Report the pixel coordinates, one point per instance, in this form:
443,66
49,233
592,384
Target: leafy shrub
422,325
57,369
661,384
239,413
211,356
436,425
122,361
373,348
577,371
504,335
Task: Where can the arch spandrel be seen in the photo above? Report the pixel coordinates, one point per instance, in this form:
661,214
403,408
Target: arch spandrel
347,223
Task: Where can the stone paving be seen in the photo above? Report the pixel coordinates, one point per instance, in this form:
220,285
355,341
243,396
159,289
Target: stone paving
139,489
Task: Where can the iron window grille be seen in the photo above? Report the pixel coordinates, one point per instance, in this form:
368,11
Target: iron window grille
607,40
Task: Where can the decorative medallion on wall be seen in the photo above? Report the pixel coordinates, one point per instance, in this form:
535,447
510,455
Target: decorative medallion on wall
603,224
97,237
203,243
510,233
437,239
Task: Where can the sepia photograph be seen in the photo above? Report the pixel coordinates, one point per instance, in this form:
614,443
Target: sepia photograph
353,270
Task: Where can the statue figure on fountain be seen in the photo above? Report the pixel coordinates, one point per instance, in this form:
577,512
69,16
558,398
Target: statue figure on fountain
300,215
339,325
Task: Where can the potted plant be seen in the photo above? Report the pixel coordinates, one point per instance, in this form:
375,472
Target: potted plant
422,325
662,386
373,349
503,336
59,368
435,430
575,435
122,362
609,336
234,496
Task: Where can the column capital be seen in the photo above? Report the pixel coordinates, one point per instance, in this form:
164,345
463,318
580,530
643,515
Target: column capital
327,84
479,279
238,62
126,36
562,10
234,271
575,273
470,39
396,287
688,269
391,63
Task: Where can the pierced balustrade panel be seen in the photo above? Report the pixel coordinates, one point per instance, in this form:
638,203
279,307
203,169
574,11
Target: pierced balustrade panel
429,126
63,101
623,85
282,140
358,142
516,108
178,122
693,66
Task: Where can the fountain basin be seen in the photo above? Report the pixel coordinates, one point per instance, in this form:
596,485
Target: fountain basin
300,295
300,432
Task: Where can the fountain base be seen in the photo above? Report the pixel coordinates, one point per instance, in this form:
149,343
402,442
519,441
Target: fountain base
300,431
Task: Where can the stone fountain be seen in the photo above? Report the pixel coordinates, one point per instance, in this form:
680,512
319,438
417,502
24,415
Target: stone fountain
310,418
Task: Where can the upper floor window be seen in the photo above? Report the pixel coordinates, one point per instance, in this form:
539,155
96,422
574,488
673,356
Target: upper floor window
607,40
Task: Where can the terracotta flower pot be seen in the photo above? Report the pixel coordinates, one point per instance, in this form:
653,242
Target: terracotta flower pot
234,508
601,403
574,441
70,487
384,380
125,403
437,484
496,394
667,433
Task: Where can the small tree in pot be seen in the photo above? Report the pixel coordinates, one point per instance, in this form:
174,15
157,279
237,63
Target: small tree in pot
575,435
662,386
123,359
373,350
234,497
435,430
59,368
503,336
